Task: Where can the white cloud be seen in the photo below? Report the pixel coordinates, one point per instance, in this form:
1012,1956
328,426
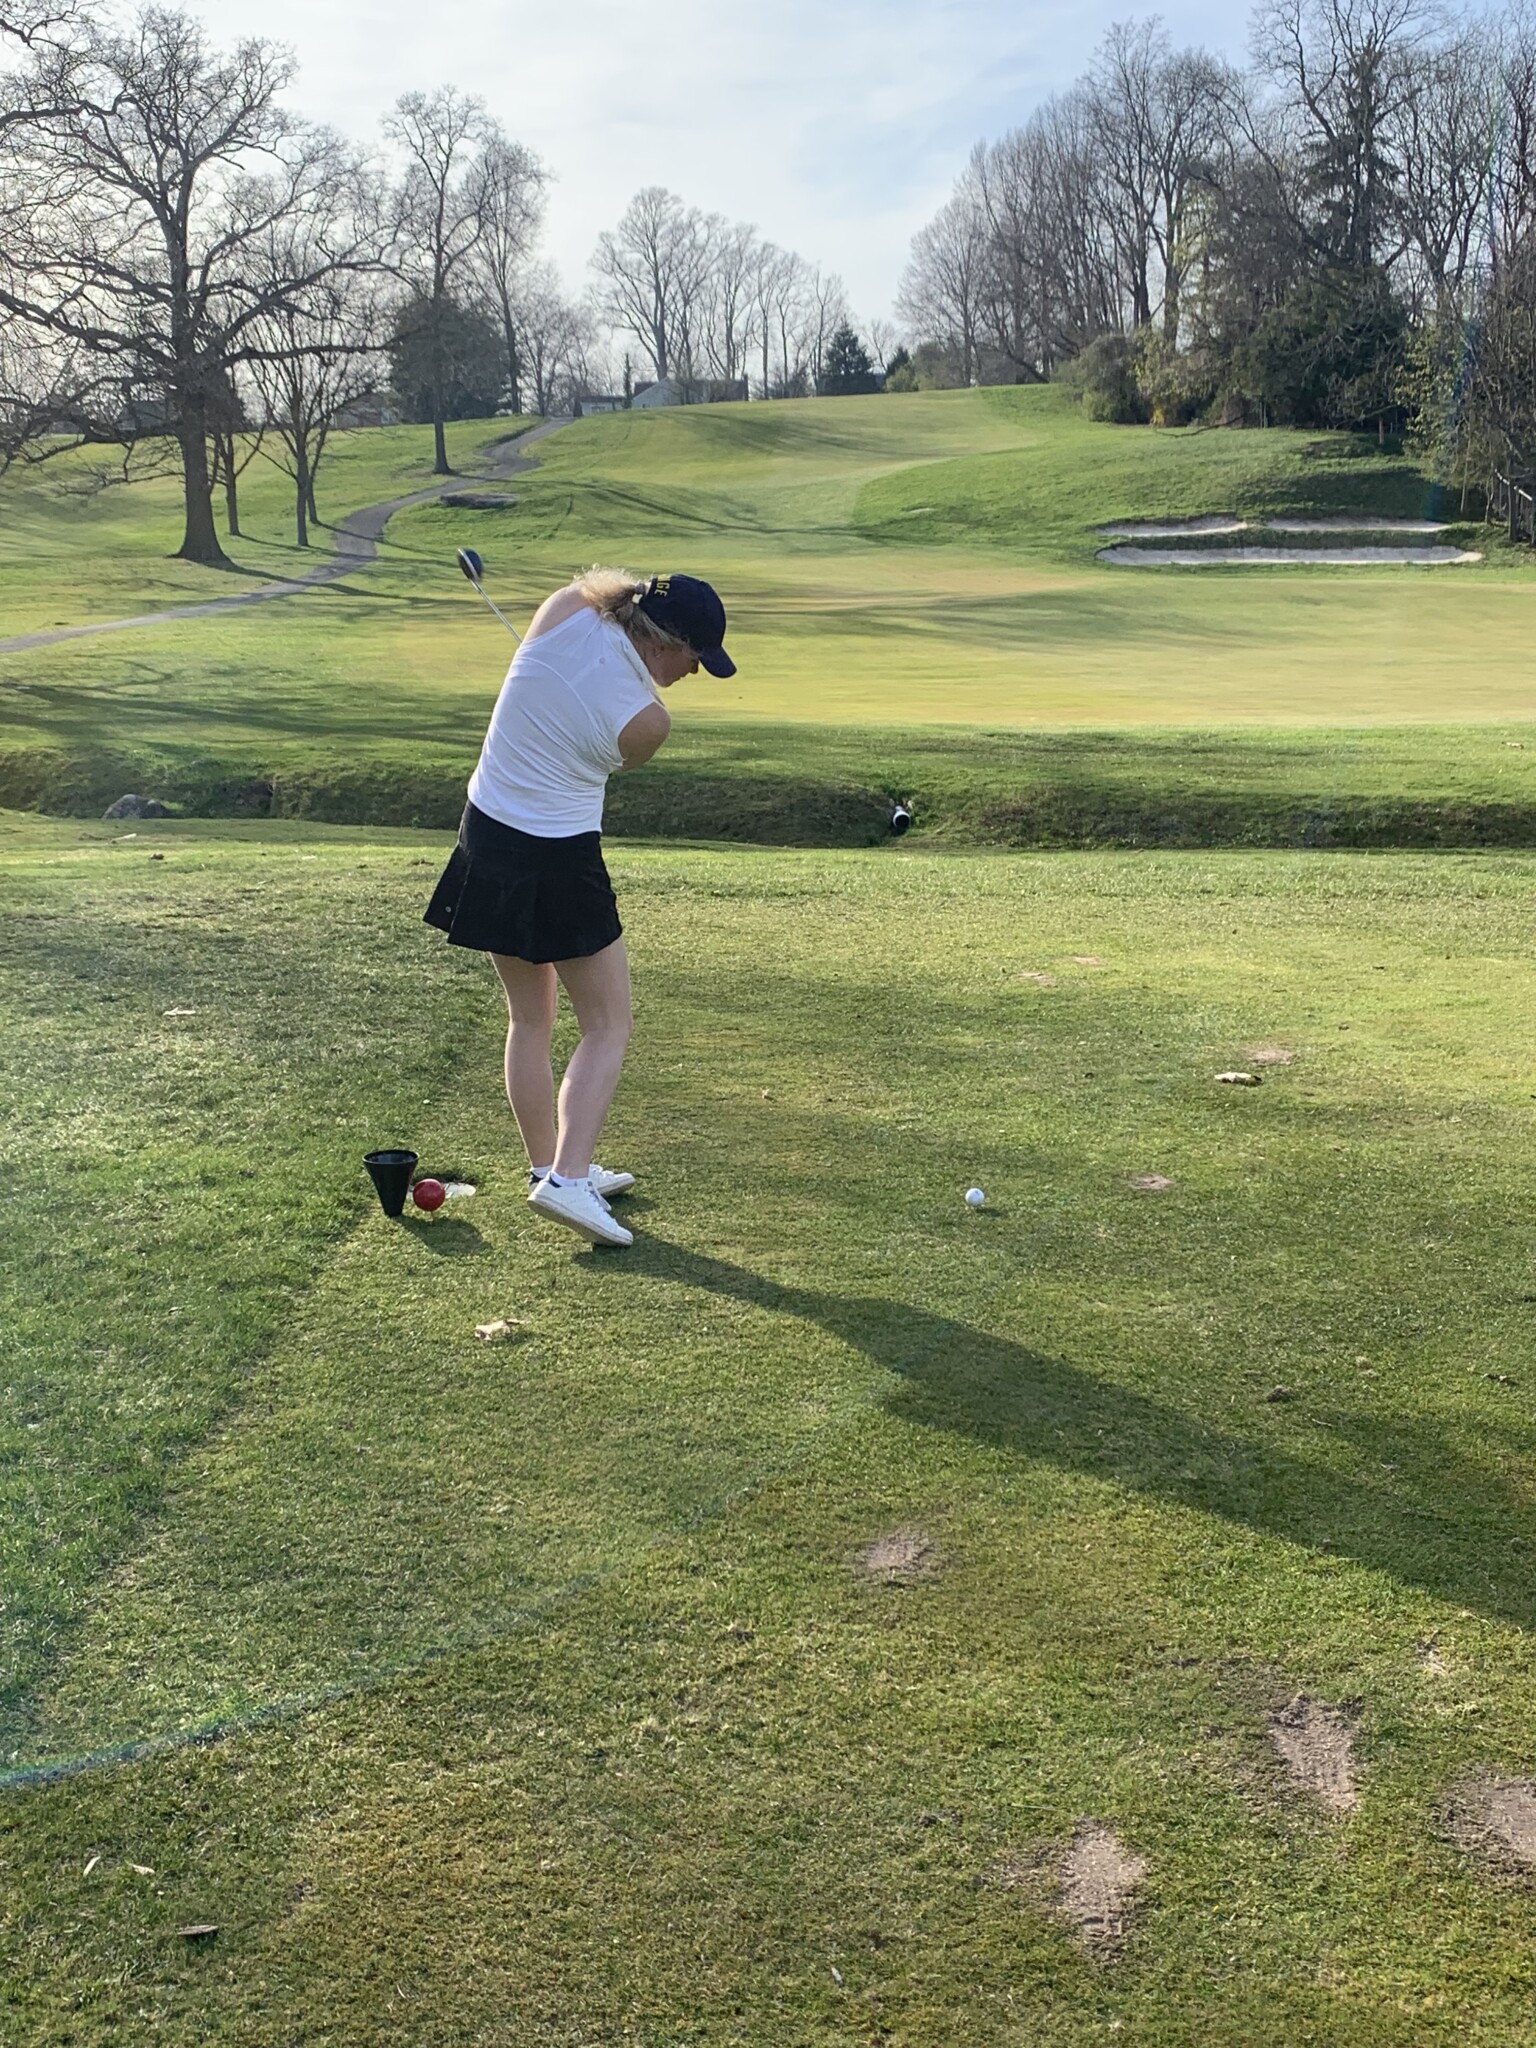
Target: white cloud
837,130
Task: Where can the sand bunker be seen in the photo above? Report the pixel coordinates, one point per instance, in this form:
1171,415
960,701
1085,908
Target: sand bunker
1356,523
1175,529
1290,558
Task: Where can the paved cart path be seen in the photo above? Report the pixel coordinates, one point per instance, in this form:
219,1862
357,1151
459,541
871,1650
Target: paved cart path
357,543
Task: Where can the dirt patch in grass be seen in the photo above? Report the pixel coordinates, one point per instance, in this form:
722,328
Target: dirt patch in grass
1151,1183
1099,1878
1039,979
1494,1819
1271,1056
901,1557
1091,1884
1316,1743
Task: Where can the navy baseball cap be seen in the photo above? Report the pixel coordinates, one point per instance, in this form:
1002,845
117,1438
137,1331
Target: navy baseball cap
690,608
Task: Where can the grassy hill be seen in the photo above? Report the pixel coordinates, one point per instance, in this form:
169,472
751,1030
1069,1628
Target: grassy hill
916,609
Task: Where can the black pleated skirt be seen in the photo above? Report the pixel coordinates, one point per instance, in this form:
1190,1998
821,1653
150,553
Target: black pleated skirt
505,891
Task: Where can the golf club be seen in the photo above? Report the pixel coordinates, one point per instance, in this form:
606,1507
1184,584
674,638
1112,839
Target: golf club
474,569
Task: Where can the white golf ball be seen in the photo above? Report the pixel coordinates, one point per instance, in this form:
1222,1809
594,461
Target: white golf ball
975,1197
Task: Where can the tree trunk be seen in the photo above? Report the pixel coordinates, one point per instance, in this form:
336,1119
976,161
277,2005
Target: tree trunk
439,438
231,489
200,541
514,367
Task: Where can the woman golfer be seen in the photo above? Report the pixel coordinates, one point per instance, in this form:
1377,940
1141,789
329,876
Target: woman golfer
527,883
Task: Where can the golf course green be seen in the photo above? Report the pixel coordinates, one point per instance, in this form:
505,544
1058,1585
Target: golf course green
846,1617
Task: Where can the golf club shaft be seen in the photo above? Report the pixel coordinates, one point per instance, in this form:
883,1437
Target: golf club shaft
496,608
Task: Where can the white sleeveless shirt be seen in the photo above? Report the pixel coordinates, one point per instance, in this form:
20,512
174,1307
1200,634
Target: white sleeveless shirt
554,735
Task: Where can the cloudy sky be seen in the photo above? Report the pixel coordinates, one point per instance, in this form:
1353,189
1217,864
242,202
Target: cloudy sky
836,129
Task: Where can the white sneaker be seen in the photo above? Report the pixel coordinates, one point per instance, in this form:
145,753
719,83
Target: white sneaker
607,1183
578,1205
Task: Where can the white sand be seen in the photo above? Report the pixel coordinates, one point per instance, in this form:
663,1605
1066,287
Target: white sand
1356,525
1214,558
1175,529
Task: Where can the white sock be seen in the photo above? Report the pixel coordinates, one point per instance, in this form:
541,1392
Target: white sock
569,1180
540,1172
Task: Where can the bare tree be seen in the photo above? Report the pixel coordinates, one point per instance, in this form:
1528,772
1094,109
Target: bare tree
728,310
145,173
440,216
318,355
1514,197
1345,70
884,339
1501,395
511,184
558,339
770,266
653,268
1157,117
1444,143
1053,283
943,288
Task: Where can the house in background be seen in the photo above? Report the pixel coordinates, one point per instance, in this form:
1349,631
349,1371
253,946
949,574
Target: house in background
692,391
598,401
371,409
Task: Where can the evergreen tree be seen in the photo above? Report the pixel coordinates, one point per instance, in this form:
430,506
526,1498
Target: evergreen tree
458,344
847,368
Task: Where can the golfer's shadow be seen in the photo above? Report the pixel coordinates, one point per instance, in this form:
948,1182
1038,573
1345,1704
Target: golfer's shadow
1447,1519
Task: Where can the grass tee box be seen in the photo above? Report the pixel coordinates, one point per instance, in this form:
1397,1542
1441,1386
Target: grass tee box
847,1616
918,610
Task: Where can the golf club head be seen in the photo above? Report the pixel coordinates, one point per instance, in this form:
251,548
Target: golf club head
471,564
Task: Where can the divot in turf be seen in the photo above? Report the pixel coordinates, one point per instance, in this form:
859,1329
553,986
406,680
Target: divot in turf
1315,1742
901,1557
1494,1820
1091,1884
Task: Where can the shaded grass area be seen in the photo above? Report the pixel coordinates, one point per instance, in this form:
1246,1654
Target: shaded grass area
1454,786
674,1770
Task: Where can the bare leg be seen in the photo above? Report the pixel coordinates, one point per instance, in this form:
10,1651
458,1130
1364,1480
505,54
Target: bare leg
599,991
532,993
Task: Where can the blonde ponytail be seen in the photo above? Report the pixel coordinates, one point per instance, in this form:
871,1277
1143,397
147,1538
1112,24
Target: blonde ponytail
615,594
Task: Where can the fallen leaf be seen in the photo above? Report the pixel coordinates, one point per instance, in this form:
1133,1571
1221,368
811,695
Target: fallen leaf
1279,1394
199,1931
90,1866
1241,1080
178,1013
498,1331
142,1868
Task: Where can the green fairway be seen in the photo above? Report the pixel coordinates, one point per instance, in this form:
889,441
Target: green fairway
534,1693
916,574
